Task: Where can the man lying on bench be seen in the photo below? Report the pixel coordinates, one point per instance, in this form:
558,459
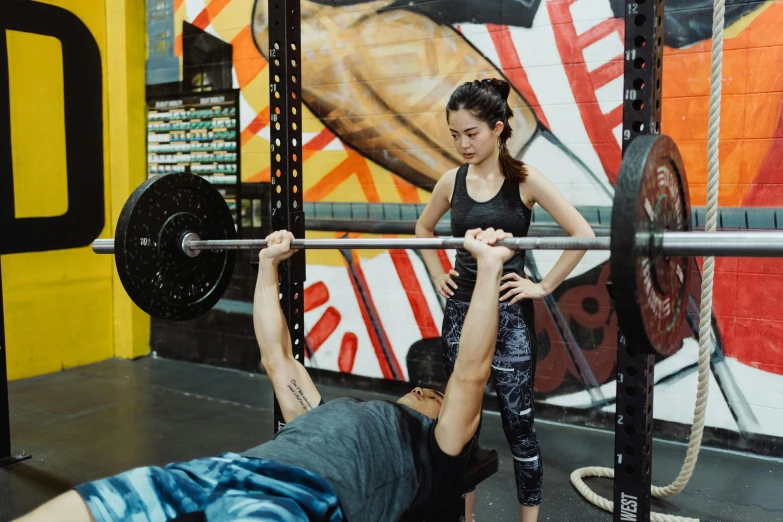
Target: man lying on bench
348,459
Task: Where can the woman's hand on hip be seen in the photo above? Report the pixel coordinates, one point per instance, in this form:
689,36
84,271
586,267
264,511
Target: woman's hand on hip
520,288
443,283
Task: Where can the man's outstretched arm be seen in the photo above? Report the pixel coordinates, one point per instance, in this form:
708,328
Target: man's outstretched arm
296,393
460,414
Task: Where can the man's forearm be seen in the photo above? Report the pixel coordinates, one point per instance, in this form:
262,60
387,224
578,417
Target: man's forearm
479,330
269,323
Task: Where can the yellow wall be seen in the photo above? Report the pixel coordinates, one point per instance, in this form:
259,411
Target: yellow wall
65,308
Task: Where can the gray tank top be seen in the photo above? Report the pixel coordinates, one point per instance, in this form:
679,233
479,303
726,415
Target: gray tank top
504,211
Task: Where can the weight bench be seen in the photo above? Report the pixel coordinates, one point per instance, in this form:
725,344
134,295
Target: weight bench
450,508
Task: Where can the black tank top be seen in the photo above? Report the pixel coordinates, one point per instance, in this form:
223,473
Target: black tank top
504,211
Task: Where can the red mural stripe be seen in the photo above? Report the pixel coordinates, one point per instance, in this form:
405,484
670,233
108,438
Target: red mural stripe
320,140
595,33
421,310
315,295
615,117
445,261
357,280
348,349
604,142
322,329
609,71
512,67
202,20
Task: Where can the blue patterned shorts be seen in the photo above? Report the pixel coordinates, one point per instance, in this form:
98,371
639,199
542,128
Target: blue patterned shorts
226,487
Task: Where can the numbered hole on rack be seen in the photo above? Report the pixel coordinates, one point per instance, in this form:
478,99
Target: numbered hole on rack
293,63
296,326
631,371
639,63
296,343
657,104
278,173
277,22
293,78
277,78
639,20
277,110
638,84
637,126
293,45
629,450
296,356
296,295
293,126
658,85
277,158
296,204
630,410
659,21
293,94
660,41
295,173
659,63
629,470
277,125
293,111
277,95
640,41
277,6
630,350
295,158
295,189
277,46
280,296
277,142
279,204
277,62
294,142
631,391
637,105
630,429
278,189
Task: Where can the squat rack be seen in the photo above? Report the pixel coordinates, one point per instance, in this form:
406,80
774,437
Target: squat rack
641,116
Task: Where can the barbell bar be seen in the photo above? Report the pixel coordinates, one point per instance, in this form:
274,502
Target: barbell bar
727,243
175,245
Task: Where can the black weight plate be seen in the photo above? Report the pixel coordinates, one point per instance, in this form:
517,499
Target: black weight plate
650,290
156,273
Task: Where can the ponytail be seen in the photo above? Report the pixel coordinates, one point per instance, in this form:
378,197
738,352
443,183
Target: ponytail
487,101
513,169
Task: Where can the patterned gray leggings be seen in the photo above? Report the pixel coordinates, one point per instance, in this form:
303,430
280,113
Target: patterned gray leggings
513,371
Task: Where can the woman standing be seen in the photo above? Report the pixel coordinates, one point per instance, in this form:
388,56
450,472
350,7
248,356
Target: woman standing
493,189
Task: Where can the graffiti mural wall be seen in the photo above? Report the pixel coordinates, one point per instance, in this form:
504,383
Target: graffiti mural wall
376,78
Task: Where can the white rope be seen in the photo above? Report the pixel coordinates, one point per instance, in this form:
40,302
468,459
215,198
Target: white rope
705,309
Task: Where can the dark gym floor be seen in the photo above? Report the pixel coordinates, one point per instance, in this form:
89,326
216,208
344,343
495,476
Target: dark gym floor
101,419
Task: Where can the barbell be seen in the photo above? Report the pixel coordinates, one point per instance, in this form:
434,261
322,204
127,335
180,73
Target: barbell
175,245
